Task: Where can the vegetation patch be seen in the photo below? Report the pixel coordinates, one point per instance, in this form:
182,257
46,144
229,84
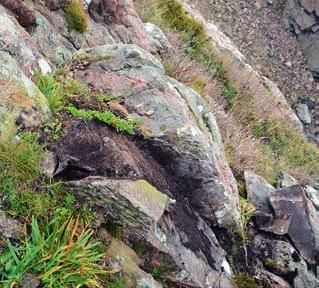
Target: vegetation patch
127,125
244,280
61,254
76,16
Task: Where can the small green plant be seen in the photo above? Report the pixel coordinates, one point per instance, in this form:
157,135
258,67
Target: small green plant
51,89
160,273
62,254
54,129
247,210
121,125
77,18
106,98
244,280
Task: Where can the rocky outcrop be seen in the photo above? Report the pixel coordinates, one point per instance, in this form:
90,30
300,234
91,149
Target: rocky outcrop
175,116
285,212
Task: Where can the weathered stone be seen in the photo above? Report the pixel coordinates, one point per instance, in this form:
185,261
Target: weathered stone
271,279
10,228
120,254
285,180
136,204
49,164
21,102
15,41
313,195
292,202
139,209
282,258
258,190
156,37
303,113
23,14
133,74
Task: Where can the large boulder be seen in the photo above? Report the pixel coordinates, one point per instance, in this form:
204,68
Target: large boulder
176,116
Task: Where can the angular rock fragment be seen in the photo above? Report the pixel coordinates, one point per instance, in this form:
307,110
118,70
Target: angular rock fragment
292,202
258,190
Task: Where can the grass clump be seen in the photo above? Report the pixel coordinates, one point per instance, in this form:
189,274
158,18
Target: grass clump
127,125
62,254
247,210
76,17
244,280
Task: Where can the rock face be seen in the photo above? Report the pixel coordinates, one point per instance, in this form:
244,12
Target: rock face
121,16
303,16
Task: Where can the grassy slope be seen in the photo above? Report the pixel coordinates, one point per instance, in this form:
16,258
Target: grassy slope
254,137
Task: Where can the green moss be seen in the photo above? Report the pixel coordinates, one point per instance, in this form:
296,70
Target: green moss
77,18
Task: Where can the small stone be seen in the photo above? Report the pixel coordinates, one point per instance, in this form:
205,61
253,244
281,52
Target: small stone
288,64
29,281
303,113
49,164
106,139
285,180
10,228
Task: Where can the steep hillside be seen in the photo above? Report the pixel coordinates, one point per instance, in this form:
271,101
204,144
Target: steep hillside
139,147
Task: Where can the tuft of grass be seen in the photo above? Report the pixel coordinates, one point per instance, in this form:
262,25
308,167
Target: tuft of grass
121,125
51,89
22,188
62,254
76,16
247,210
244,280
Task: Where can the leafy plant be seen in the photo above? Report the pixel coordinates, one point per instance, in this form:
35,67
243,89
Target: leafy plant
63,254
77,18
